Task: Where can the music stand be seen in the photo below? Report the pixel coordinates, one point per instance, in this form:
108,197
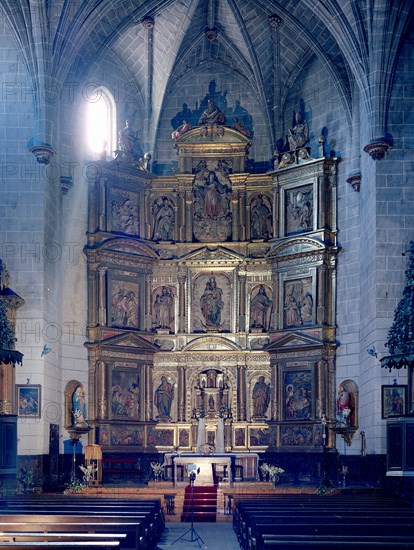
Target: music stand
194,536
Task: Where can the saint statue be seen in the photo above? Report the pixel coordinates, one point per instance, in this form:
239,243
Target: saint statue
79,406
211,303
127,138
261,220
212,114
298,135
259,308
261,397
163,221
164,396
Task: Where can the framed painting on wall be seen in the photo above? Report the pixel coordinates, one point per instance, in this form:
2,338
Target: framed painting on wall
29,400
393,400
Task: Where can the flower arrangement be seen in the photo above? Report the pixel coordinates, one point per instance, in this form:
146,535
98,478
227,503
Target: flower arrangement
88,472
270,471
157,468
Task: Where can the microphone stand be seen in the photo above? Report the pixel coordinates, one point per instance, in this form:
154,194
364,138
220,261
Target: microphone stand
194,536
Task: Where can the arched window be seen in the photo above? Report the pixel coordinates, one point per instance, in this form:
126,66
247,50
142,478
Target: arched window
101,121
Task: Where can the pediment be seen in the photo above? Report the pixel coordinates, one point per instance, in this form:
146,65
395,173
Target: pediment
209,254
294,246
294,340
128,342
208,343
212,134
127,246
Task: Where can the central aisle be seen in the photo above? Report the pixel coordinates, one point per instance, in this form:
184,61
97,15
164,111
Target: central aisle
216,536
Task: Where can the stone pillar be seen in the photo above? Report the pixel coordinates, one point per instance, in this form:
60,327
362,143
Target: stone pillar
102,296
275,23
181,394
235,216
189,216
181,303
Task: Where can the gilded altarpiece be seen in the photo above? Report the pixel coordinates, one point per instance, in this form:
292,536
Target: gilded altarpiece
211,302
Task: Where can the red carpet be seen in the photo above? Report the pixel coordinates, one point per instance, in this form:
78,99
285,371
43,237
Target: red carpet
205,504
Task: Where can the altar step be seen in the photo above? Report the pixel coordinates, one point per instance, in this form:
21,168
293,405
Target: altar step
205,504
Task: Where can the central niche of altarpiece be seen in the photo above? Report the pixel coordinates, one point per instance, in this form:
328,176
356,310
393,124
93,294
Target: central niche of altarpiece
211,301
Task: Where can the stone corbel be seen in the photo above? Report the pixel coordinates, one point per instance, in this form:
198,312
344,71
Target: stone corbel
355,180
377,148
43,153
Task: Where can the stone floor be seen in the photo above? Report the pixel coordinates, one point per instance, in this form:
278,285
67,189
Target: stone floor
209,536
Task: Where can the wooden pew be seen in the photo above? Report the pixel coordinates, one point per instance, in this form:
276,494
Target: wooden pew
295,522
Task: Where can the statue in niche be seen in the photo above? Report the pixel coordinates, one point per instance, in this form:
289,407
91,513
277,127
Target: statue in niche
212,114
261,218
260,309
261,398
163,220
164,396
212,216
164,308
211,304
79,406
298,135
344,406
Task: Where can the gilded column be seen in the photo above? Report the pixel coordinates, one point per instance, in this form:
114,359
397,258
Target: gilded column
242,205
181,303
189,216
242,302
93,286
176,223
321,308
102,204
235,216
248,224
148,412
145,225
102,296
181,394
101,374
148,303
241,393
182,214
6,388
321,405
274,316
274,384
